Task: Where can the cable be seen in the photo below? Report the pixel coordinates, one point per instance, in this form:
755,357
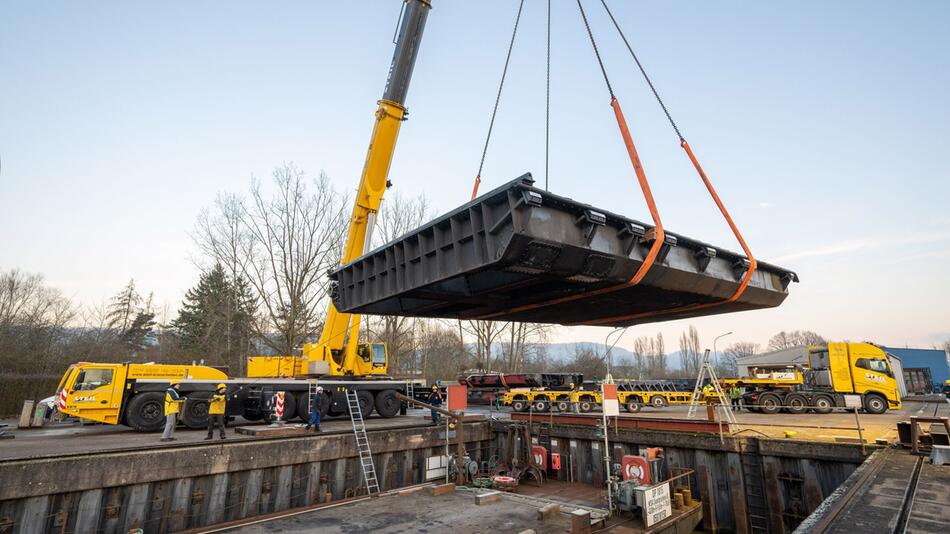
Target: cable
501,85
642,71
547,105
596,51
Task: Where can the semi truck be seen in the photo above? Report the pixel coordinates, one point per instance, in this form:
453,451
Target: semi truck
836,375
131,393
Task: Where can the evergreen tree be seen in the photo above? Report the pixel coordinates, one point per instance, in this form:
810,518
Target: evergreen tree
214,322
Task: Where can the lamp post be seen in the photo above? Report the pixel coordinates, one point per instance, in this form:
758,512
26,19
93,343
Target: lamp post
714,345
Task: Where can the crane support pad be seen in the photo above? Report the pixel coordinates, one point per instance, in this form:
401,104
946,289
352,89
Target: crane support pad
519,253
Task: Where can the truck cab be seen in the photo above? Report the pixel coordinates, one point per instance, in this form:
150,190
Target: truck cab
856,369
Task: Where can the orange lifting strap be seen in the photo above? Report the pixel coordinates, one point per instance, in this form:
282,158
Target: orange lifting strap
658,234
735,230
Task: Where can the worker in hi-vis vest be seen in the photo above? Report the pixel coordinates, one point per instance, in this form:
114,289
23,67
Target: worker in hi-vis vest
216,408
173,403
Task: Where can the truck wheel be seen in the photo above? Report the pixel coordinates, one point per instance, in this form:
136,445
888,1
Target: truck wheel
366,402
875,404
585,405
769,403
634,406
519,405
658,401
194,414
564,405
387,405
823,404
796,404
290,407
146,411
541,405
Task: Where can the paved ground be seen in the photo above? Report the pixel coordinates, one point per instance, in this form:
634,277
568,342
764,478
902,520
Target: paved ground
416,513
72,438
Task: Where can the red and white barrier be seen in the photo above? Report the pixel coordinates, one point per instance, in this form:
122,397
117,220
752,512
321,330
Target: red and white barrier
279,405
62,399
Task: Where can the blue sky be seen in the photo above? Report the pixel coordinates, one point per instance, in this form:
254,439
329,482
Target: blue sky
823,125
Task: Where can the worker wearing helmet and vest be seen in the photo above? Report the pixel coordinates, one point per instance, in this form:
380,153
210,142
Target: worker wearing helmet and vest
173,403
314,421
435,399
216,409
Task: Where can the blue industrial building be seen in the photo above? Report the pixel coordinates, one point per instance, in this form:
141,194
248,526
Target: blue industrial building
919,365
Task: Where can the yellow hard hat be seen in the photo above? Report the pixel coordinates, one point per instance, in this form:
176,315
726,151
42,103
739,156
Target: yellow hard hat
173,382
435,388
222,386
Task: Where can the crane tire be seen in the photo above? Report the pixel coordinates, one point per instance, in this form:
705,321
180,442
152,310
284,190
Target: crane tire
303,406
387,405
146,411
366,401
194,412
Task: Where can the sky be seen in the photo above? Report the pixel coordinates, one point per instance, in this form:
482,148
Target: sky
823,125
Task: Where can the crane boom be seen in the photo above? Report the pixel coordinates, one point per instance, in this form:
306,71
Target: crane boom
338,345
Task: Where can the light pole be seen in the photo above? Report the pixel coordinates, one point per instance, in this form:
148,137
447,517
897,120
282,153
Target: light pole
714,345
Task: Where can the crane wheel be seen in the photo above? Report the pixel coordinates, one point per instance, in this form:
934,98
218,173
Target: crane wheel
366,402
194,414
290,407
387,405
303,406
875,404
823,404
146,411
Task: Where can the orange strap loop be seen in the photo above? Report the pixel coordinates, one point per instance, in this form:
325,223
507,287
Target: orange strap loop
735,230
659,234
478,181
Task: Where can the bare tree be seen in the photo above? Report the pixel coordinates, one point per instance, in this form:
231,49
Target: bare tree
33,323
728,361
283,244
397,216
690,351
784,340
650,356
486,334
521,343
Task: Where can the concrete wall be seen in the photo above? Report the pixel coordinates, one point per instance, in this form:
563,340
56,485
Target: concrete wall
781,481
172,489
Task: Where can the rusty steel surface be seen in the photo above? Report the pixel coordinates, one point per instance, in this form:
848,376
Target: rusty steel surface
519,253
626,422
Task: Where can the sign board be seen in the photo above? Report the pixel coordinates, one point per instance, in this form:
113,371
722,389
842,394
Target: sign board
655,502
853,401
610,405
436,467
458,397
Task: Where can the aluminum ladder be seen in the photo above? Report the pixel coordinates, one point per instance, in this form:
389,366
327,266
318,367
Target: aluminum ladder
411,393
362,443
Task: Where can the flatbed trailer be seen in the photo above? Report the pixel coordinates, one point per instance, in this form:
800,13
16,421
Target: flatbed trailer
632,400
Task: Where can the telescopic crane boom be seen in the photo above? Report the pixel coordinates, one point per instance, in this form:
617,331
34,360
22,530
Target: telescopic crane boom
338,351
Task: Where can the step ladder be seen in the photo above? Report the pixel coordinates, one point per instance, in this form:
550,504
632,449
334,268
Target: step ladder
362,443
707,371
411,393
310,395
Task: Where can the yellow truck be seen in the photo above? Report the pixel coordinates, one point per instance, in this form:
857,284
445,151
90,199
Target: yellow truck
837,375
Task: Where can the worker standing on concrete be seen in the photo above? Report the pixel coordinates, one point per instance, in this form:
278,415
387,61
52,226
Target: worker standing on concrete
435,399
735,395
314,421
216,409
173,403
